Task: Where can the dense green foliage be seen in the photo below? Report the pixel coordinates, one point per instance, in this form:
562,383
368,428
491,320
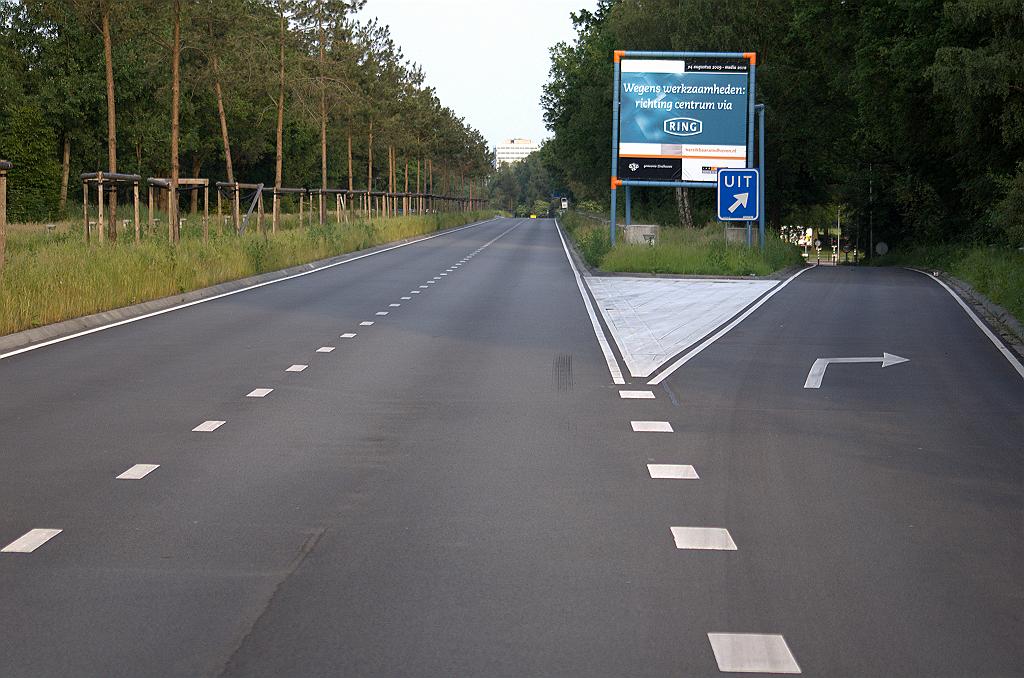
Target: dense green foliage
51,277
690,251
337,68
909,113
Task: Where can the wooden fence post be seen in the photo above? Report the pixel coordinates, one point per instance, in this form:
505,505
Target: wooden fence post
135,193
4,166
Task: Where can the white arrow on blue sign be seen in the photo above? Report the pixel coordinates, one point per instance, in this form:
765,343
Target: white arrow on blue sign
737,195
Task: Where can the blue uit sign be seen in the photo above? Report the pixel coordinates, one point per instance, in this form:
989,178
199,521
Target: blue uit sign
738,198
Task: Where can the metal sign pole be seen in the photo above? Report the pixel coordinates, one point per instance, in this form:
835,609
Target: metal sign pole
750,136
760,175
615,144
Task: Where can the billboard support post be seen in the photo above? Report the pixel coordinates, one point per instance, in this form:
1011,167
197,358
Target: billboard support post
615,144
750,139
760,175
639,136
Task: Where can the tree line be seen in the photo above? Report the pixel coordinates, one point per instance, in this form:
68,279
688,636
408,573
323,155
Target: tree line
909,114
298,93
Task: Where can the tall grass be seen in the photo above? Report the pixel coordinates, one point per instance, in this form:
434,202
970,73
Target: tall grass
52,275
996,272
679,251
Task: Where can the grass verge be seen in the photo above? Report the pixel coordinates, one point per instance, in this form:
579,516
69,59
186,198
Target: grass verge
52,276
996,272
679,250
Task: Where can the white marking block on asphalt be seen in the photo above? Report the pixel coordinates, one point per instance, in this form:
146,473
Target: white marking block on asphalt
31,540
752,653
673,471
382,312
347,335
296,368
325,349
259,393
422,287
414,291
208,426
138,471
636,394
395,305
366,323
443,274
651,426
407,298
703,538
430,282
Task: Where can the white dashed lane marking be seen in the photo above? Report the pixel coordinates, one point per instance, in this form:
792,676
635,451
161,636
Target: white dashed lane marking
752,653
703,538
296,368
395,305
430,282
407,298
325,349
259,393
138,471
636,394
366,323
415,291
422,287
382,312
347,335
443,274
651,426
31,540
207,426
675,471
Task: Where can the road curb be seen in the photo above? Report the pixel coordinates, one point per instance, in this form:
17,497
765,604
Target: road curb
25,338
1000,320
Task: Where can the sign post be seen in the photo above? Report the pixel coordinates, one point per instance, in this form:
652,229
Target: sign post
679,117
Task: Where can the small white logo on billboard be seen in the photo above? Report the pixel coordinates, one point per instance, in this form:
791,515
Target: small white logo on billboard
683,127
633,167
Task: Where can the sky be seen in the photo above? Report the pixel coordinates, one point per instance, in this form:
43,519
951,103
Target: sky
487,59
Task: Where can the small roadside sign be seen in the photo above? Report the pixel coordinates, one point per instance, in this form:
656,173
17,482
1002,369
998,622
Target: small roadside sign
737,195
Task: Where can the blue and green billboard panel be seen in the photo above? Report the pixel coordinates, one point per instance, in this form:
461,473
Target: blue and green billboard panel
682,119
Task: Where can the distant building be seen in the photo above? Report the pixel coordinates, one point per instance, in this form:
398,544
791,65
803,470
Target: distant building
513,150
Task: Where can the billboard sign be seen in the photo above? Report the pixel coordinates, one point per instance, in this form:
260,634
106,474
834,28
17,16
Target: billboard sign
682,119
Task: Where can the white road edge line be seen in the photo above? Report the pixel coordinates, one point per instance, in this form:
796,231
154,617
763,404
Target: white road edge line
50,342
722,332
1007,353
602,340
138,472
31,540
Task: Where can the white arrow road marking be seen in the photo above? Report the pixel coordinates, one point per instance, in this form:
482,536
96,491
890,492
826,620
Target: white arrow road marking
741,201
817,372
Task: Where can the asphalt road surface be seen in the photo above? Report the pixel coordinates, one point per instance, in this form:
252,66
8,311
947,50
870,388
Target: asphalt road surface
458,488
